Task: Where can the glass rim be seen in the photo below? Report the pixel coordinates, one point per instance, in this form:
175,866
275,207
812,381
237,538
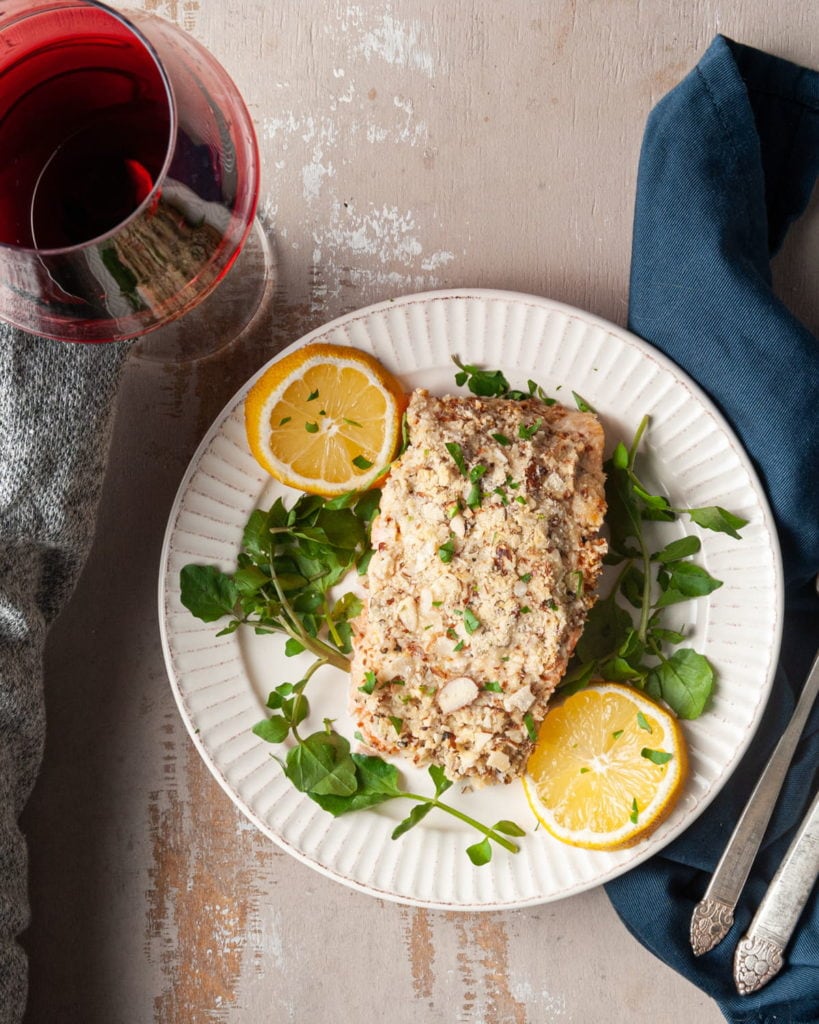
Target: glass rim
172,131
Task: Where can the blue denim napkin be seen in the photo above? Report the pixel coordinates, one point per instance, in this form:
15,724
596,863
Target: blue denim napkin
729,159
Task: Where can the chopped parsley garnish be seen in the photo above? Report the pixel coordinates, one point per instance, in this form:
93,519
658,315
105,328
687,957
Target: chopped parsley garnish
502,439
656,756
527,433
581,403
446,551
457,454
361,463
397,723
529,722
493,686
311,428
473,499
284,419
634,811
642,721
617,734
370,682
471,621
313,396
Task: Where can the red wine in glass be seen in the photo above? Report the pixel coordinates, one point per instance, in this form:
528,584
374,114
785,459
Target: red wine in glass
128,170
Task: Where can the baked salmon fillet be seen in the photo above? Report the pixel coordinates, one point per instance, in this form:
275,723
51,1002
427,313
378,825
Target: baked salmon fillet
485,562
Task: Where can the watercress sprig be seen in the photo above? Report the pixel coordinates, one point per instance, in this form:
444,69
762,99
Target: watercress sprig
290,559
626,638
323,766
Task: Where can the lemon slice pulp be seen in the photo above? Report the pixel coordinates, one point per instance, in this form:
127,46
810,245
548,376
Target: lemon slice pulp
325,419
607,768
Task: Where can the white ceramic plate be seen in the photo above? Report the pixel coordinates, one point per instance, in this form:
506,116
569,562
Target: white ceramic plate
221,684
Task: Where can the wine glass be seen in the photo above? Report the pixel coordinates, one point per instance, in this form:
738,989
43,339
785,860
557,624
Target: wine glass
129,177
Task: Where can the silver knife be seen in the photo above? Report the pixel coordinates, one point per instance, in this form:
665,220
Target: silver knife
760,953
714,914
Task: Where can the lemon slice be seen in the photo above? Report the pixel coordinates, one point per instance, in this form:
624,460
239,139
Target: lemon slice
607,768
325,419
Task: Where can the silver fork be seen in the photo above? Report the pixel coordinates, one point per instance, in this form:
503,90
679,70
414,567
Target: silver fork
714,915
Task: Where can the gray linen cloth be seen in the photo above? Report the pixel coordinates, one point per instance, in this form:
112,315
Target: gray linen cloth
56,403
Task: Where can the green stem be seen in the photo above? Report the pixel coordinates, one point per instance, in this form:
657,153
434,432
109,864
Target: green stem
645,611
490,833
295,629
635,444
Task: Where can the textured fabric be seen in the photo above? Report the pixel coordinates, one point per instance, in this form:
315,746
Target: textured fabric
729,160
56,405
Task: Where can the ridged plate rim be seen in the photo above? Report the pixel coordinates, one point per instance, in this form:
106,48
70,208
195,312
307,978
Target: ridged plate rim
427,867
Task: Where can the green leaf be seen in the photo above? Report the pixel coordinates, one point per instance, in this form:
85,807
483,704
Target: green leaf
250,580
293,647
665,636
686,580
632,584
456,452
272,730
446,551
322,764
608,626
619,670
527,433
683,547
370,682
377,781
480,853
485,383
508,828
417,814
581,403
207,592
619,457
656,756
712,517
439,779
577,678
684,681
623,515
471,621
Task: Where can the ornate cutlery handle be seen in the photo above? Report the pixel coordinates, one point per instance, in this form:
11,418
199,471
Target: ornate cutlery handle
714,914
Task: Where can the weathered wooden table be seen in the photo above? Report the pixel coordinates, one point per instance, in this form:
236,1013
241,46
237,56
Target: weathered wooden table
406,145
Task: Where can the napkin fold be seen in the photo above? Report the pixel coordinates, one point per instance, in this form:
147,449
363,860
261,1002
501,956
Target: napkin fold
729,160
56,403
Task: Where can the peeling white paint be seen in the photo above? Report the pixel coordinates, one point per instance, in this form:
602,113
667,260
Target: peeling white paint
552,1005
400,43
378,247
